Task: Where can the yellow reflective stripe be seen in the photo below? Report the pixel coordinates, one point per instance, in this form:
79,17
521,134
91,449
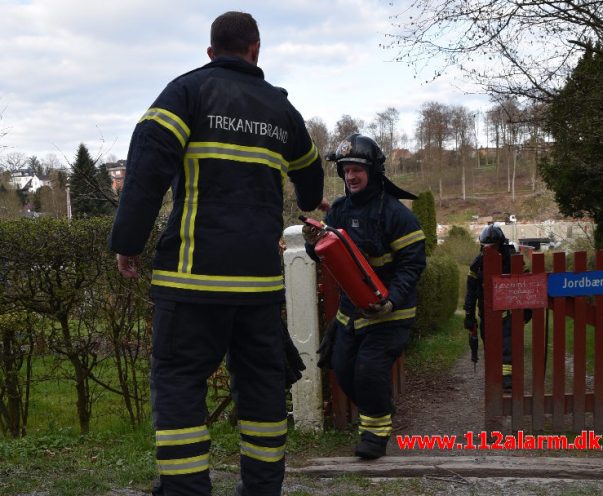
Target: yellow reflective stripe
405,313
378,431
364,420
406,240
177,437
342,318
472,274
237,153
380,426
180,466
189,213
262,453
170,121
197,282
304,161
507,369
381,261
263,429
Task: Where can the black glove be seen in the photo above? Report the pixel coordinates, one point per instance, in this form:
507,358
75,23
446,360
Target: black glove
377,310
312,234
469,322
293,361
325,350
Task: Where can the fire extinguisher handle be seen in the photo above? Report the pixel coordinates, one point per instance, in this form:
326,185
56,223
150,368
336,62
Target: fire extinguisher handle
311,222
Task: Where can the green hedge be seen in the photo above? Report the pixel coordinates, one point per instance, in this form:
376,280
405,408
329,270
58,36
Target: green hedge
424,208
438,292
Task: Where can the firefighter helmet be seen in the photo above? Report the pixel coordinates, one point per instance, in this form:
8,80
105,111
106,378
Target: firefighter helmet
362,150
492,235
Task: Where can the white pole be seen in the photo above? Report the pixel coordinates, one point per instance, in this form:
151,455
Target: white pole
302,321
68,202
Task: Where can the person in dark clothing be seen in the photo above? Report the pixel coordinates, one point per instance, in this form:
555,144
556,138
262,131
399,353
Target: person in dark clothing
367,341
225,140
474,296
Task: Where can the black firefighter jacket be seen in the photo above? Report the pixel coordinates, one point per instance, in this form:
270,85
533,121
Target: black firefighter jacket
225,140
474,297
390,236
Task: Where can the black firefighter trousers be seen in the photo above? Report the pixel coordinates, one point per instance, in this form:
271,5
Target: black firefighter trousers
189,343
363,366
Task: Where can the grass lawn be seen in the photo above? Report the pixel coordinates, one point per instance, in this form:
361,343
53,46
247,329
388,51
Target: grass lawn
55,458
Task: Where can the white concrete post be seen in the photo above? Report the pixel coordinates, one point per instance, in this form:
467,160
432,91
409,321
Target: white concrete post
303,323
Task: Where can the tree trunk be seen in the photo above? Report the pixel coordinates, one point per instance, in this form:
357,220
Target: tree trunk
80,375
513,176
508,160
11,411
463,183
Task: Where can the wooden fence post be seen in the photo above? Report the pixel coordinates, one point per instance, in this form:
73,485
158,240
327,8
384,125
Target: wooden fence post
559,351
579,349
517,346
493,342
598,402
538,353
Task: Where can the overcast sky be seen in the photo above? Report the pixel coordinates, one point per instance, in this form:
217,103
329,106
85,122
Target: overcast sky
74,71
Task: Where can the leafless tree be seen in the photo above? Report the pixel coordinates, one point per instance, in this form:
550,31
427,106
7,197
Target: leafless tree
345,126
433,130
461,127
51,162
511,120
13,161
10,204
509,47
53,198
320,135
384,131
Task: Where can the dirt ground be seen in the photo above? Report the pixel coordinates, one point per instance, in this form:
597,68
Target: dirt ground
527,206
450,405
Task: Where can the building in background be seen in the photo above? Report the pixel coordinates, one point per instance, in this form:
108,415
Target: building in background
26,180
117,172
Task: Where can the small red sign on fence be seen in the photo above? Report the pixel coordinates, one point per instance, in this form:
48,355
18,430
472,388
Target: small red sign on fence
519,291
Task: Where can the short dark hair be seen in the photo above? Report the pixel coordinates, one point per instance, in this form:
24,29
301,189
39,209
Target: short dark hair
233,33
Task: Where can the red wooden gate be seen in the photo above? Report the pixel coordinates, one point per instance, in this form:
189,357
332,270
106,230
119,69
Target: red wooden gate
552,402
342,411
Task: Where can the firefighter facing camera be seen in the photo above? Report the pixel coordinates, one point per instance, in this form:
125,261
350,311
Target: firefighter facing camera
361,344
491,235
224,139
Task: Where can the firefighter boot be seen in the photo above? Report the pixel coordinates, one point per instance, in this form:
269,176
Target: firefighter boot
240,490
371,446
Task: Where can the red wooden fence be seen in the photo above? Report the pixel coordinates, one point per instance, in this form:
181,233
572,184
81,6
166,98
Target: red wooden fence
342,411
544,403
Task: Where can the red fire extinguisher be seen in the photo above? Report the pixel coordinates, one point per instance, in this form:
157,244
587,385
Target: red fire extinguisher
348,266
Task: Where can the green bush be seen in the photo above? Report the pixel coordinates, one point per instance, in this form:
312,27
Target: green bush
424,208
459,245
438,293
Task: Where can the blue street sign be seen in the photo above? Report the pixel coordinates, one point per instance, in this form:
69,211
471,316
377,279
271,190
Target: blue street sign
576,284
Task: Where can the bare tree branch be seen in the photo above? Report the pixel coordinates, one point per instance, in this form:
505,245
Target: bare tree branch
508,47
